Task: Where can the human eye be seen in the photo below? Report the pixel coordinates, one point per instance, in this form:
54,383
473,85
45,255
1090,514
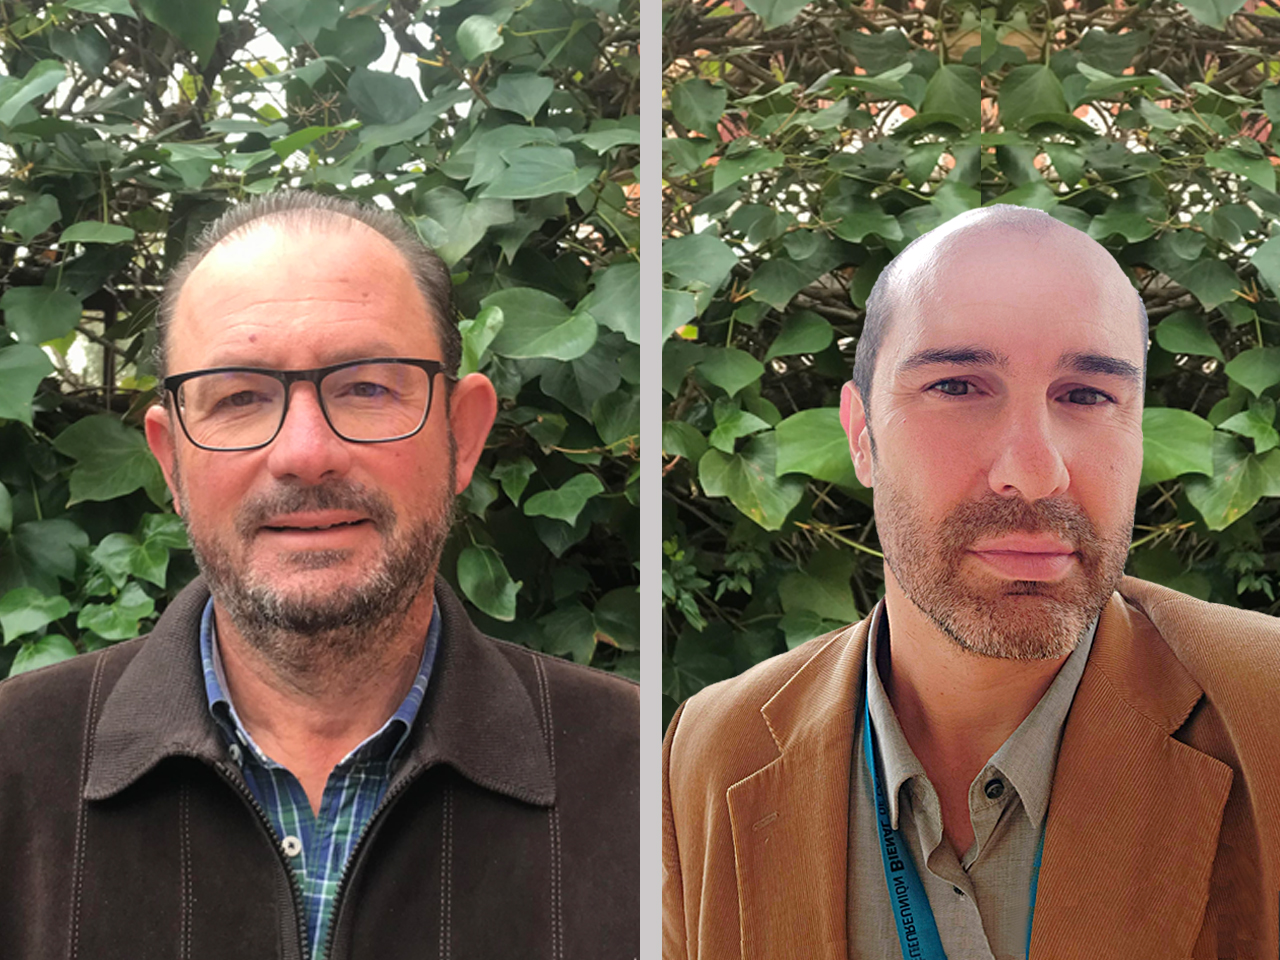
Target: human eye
951,388
1087,397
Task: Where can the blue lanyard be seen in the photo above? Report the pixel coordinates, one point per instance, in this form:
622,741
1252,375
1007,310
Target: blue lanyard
917,930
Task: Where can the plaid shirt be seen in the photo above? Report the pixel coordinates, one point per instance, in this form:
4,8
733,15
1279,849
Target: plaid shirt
316,846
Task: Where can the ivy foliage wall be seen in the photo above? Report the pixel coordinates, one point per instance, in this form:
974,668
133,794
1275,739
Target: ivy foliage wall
807,144
505,132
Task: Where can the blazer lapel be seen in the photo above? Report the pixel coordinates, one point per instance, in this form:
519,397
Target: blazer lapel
790,819
1134,815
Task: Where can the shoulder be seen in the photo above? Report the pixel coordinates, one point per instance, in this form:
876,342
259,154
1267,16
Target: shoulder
573,686
719,734
1218,644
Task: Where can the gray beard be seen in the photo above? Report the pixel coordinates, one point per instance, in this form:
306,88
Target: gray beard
312,640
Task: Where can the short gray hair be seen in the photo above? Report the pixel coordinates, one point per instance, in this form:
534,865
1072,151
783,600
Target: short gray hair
309,210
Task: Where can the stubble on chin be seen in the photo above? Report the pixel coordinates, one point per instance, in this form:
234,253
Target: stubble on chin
985,614
312,637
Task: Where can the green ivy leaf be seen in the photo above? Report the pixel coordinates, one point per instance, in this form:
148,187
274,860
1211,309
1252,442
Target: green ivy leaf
566,501
536,324
571,630
194,22
732,422
617,618
857,218
93,231
483,577
1030,91
22,367
514,476
954,90
355,41
382,98
615,299
1257,423
478,35
1187,332
1257,169
1174,442
42,653
731,170
6,510
814,443
103,7
681,439
111,460
118,620
1267,259
522,93
1240,479
39,314
823,587
776,13
1212,13
452,225
1255,369
730,369
34,217
749,479
537,171
678,308
802,332
27,610
477,335
617,416
40,552
699,105
41,79
165,530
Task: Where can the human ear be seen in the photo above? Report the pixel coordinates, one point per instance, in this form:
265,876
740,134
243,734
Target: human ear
853,417
158,424
472,407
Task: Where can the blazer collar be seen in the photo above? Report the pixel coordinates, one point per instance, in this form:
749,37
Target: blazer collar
477,716
1130,805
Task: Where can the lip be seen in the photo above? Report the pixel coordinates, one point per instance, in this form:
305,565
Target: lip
1022,543
320,521
1027,565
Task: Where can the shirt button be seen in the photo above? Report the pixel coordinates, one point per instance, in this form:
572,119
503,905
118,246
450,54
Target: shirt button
959,892
236,755
994,789
291,846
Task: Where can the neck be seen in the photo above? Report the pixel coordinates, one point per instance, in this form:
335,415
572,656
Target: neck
956,707
308,723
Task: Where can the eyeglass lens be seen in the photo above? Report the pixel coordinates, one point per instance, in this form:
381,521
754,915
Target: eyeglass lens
368,401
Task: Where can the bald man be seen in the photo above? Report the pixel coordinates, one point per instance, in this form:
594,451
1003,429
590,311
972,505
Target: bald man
1020,750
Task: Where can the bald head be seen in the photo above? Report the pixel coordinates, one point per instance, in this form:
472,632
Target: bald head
993,252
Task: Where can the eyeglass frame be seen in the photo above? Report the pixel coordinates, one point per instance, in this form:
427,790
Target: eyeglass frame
313,376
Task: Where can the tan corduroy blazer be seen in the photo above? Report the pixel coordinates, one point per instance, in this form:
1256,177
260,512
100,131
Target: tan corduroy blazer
1163,834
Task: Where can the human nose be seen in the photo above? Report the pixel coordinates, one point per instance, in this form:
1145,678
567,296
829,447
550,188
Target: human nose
306,448
1029,461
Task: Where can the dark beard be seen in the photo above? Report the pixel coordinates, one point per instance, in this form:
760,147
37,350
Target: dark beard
1012,619
319,637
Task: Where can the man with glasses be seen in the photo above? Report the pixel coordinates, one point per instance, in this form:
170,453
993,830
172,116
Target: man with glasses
316,754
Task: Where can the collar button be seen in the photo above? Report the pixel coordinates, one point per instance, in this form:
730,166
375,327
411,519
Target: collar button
994,789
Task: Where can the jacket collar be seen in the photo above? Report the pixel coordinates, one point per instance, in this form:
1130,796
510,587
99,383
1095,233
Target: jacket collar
477,715
1129,804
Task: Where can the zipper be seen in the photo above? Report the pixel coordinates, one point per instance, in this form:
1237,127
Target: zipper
392,792
304,944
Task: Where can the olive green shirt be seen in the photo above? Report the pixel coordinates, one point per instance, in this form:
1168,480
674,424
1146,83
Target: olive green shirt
980,899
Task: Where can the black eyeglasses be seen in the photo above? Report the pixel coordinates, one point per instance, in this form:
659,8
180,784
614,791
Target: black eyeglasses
364,401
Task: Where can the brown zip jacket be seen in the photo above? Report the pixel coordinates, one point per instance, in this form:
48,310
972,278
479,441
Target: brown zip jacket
509,829
1163,834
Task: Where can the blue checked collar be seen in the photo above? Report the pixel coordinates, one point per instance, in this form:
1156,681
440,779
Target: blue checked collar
380,746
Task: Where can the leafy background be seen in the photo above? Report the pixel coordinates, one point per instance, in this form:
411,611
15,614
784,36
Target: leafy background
808,144
505,132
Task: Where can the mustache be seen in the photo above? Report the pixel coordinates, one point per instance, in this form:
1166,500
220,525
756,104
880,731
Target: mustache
994,515
334,495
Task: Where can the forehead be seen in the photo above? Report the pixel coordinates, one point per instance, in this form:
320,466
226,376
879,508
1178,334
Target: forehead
1032,298
276,295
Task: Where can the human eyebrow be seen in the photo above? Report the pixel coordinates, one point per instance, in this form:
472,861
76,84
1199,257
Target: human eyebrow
954,356
1100,364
